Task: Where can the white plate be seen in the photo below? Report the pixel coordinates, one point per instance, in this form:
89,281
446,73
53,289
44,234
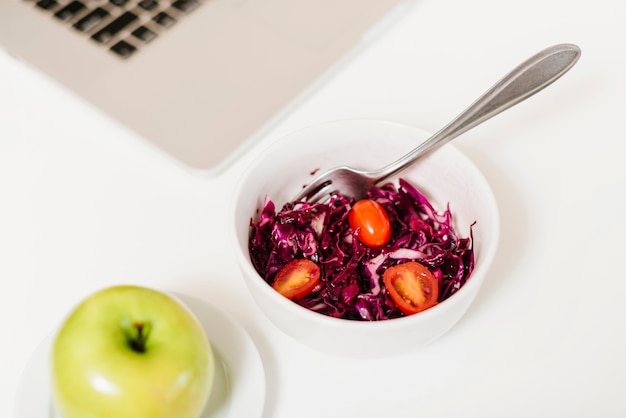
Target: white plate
239,388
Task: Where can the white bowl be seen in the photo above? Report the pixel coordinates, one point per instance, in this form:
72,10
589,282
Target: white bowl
445,177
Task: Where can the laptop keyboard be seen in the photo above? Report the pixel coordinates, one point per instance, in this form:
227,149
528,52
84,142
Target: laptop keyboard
121,26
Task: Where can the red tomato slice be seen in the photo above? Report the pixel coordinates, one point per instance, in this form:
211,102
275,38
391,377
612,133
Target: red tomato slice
412,287
369,220
297,279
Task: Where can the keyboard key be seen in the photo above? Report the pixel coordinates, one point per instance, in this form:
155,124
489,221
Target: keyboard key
148,4
144,34
47,4
105,34
123,33
93,19
70,11
164,19
186,5
123,49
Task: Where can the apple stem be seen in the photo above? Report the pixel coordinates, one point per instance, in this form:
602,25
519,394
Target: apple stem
139,336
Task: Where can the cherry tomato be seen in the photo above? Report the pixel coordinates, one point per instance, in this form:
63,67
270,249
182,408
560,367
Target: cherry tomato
370,222
412,287
297,279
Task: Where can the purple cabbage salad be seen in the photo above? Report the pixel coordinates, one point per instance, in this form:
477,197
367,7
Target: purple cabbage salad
351,285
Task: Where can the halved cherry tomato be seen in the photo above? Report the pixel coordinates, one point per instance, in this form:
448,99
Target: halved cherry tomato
412,287
369,220
297,279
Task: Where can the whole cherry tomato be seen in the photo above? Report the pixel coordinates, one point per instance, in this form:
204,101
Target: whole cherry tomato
369,220
412,287
297,279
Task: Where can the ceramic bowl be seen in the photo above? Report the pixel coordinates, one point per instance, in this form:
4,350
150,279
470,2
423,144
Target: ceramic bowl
445,176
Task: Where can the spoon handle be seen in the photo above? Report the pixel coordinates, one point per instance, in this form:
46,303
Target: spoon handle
526,79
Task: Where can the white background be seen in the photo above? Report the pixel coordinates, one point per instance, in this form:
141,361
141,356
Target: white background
84,204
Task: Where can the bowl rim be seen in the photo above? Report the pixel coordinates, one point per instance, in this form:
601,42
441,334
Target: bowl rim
475,280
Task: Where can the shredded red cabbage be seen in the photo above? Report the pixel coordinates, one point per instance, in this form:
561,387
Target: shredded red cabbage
351,285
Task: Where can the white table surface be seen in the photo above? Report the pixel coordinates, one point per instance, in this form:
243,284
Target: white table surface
85,204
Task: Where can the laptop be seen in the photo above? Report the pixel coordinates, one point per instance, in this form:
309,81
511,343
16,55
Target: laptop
200,79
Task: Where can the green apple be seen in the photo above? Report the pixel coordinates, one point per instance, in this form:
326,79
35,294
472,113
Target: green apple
131,352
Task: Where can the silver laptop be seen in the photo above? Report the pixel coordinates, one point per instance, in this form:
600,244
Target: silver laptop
198,78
